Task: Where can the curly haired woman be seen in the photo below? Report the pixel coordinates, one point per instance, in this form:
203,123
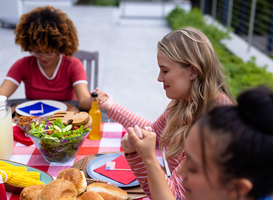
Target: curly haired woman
50,72
192,77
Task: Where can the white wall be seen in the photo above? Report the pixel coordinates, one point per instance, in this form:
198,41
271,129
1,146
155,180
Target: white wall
11,10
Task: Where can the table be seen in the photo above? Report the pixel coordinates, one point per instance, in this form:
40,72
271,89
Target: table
71,106
110,142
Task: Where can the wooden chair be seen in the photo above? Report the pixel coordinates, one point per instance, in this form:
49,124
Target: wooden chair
92,71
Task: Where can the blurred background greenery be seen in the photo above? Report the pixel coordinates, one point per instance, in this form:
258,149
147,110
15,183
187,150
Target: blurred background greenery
241,75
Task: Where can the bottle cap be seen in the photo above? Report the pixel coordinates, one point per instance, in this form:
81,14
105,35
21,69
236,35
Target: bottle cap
94,94
3,100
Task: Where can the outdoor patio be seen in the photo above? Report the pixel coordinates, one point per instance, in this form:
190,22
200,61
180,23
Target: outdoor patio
127,43
127,55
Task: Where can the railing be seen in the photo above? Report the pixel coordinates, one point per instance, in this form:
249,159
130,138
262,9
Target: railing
250,19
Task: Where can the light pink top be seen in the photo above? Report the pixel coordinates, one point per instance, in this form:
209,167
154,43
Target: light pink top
129,119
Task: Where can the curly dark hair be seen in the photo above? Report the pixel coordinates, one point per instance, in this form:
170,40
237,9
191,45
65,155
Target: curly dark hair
47,28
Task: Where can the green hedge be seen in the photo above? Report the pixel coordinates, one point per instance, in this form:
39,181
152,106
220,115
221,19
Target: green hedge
241,75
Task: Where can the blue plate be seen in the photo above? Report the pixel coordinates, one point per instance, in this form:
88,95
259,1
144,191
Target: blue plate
44,177
49,107
98,162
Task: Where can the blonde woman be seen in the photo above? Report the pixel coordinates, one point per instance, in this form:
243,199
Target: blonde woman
192,77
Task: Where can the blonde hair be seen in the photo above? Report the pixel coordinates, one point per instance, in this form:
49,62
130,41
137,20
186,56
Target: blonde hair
190,47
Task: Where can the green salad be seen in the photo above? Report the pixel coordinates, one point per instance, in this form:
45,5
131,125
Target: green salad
56,130
55,141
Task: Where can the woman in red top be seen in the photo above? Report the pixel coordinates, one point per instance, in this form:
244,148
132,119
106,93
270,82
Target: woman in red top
50,72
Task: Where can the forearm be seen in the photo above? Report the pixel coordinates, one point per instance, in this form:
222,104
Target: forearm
7,88
158,186
126,118
83,96
85,103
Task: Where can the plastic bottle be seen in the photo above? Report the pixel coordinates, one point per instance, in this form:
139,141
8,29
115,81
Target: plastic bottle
95,113
6,130
3,195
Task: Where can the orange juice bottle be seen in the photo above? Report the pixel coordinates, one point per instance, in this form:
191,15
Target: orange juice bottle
95,113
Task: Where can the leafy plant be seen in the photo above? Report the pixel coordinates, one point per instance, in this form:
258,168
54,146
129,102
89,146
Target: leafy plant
241,75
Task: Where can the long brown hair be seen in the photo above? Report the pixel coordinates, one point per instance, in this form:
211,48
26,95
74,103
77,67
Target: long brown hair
190,47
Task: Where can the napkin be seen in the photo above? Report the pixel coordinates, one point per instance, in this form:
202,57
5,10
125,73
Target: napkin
37,106
124,177
19,136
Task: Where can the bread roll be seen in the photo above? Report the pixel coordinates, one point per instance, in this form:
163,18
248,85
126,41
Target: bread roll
79,197
76,177
108,196
111,189
59,189
31,192
89,195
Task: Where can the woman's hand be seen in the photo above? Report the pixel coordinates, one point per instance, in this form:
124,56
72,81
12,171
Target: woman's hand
106,101
102,97
144,146
126,144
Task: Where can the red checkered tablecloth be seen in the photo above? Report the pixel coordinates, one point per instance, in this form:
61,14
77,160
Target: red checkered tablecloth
110,141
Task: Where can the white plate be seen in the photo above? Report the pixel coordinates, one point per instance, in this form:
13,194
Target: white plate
101,160
57,104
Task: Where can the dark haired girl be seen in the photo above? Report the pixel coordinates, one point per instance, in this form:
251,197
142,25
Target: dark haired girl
229,153
50,72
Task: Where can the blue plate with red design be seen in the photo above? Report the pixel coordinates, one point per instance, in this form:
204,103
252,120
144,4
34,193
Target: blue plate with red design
100,161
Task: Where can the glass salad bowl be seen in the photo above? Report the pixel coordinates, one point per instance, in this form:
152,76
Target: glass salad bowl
56,142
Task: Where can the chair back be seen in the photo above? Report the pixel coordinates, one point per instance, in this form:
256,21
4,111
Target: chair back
90,61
